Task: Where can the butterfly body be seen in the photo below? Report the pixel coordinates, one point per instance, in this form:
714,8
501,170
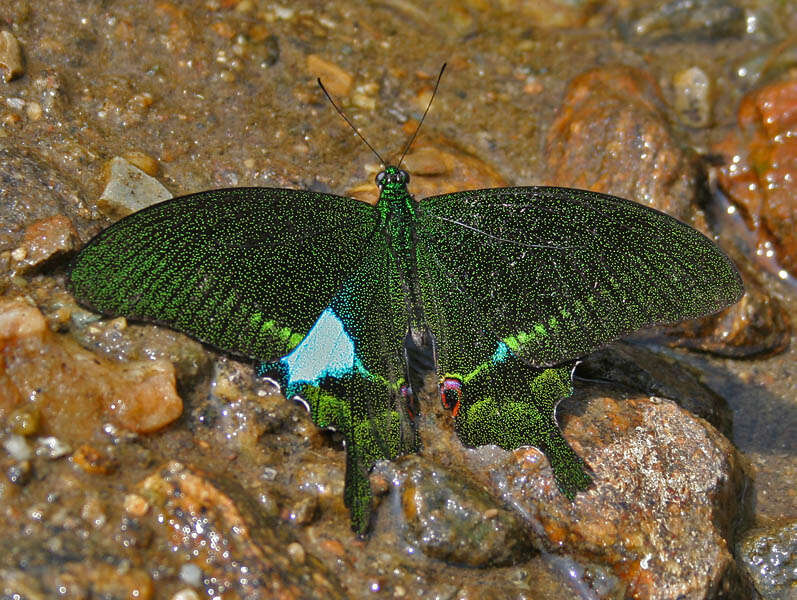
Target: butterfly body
351,307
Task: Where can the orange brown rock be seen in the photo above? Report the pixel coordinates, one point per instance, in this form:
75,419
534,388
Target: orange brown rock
760,170
74,390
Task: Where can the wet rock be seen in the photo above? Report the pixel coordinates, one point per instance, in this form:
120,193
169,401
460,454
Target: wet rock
242,554
135,505
453,520
33,190
17,447
73,390
52,91
337,81
129,189
10,56
619,111
662,504
638,369
266,50
693,96
24,421
681,20
769,64
19,473
120,341
43,240
769,556
760,171
320,478
238,415
612,136
757,325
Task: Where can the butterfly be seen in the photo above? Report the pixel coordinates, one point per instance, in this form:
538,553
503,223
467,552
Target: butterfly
349,307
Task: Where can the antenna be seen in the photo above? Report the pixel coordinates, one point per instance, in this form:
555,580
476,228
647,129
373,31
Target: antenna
350,124
360,135
428,106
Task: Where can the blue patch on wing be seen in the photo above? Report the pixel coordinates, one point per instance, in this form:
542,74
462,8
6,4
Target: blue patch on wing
501,353
327,350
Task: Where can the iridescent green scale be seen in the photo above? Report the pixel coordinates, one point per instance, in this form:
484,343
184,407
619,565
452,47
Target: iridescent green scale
349,307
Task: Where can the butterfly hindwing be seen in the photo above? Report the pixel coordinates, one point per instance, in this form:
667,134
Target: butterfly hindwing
507,403
500,400
247,270
350,373
556,273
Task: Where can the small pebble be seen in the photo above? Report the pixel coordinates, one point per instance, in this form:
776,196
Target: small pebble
533,86
11,119
52,447
693,91
10,56
93,512
304,511
34,111
44,239
129,189
93,461
24,421
426,161
20,472
333,547
143,161
296,552
363,101
186,594
17,447
135,505
336,80
191,574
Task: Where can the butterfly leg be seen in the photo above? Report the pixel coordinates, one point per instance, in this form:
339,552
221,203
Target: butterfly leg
513,405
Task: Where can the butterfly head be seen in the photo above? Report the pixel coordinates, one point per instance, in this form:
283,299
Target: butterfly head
392,176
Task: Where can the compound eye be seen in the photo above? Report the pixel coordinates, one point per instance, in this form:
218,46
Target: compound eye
404,177
380,178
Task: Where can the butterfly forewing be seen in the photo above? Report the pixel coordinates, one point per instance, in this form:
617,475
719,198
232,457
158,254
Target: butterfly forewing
555,273
247,270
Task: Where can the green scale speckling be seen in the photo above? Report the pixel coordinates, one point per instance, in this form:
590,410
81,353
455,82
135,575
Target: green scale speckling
504,288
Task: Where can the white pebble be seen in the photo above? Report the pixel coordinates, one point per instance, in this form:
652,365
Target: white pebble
17,447
52,447
191,574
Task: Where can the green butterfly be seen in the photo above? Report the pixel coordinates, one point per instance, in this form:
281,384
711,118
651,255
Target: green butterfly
350,306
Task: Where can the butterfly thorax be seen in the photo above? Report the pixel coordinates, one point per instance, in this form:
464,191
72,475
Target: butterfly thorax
397,208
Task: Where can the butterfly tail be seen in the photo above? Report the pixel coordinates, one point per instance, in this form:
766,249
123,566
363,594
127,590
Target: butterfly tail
516,407
357,494
569,470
